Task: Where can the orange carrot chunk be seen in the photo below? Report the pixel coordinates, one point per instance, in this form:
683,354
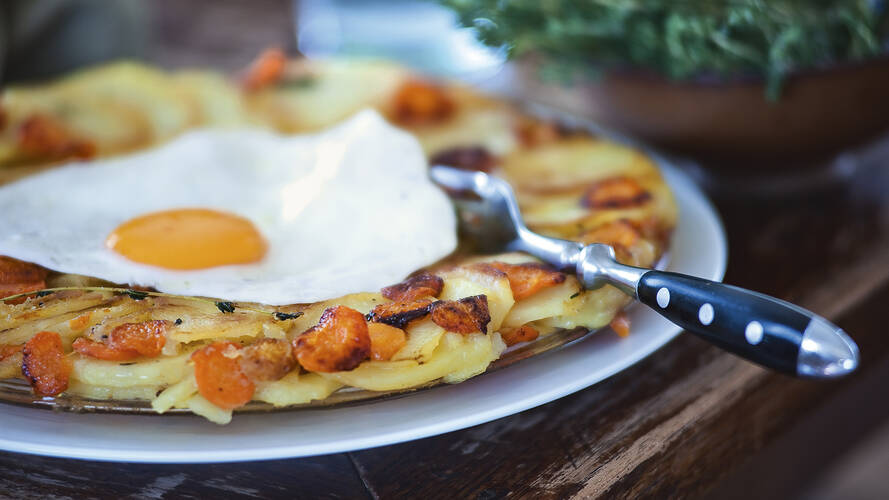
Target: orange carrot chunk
529,278
524,333
266,70
44,364
385,341
127,341
616,192
621,324
220,380
43,136
339,342
419,103
19,277
464,316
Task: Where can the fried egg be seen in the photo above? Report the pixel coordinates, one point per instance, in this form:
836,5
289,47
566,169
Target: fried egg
242,215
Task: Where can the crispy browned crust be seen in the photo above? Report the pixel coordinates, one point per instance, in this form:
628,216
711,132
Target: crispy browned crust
616,192
415,287
267,359
339,342
399,314
467,315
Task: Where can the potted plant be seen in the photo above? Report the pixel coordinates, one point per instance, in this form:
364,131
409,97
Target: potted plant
751,84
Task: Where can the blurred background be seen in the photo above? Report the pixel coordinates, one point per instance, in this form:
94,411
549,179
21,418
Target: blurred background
738,86
777,98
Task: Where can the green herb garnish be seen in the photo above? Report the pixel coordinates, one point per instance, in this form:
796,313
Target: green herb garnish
136,295
297,83
225,307
281,316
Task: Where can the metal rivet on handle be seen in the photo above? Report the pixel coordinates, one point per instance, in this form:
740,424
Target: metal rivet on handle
705,314
753,332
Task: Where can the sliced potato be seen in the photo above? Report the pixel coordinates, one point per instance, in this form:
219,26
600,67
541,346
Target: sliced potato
422,339
456,358
160,371
296,388
217,101
101,392
176,394
326,93
549,302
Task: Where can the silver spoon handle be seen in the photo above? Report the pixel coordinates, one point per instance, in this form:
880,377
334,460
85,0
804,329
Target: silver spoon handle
757,327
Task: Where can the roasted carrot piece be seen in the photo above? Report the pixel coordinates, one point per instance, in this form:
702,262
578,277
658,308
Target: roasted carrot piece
267,359
266,70
127,341
621,324
219,377
616,192
43,136
467,315
44,364
339,342
101,350
80,322
533,132
399,314
146,338
615,233
385,341
419,102
415,287
529,278
19,277
524,333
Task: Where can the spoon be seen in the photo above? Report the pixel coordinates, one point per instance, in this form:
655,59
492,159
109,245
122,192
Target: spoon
759,328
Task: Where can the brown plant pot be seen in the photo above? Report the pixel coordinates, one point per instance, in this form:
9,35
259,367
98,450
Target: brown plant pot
731,126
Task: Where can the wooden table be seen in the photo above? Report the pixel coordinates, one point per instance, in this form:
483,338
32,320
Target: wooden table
688,421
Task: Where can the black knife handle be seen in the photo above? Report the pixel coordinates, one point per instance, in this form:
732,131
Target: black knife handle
762,329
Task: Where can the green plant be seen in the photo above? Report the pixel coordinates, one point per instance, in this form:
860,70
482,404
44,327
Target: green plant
682,39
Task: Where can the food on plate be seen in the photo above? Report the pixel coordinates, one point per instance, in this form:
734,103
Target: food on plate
201,256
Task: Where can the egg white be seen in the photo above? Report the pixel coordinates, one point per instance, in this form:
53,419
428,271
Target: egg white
346,210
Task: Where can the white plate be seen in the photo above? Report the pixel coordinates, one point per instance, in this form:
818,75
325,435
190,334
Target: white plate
699,248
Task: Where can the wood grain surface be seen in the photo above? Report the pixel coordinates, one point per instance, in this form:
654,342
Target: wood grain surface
688,421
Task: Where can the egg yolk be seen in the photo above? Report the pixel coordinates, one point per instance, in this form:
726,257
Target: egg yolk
190,238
